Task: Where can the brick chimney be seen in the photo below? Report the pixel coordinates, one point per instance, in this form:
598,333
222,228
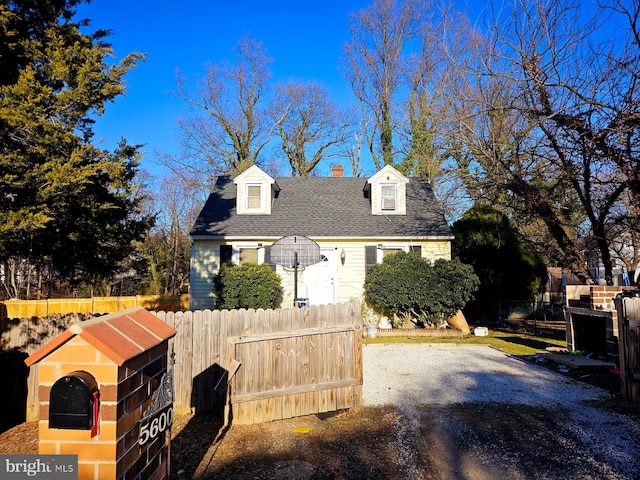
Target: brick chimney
337,171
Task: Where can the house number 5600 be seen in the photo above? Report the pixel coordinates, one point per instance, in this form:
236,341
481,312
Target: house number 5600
155,426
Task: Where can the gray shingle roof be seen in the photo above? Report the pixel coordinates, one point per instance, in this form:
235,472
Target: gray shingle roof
321,207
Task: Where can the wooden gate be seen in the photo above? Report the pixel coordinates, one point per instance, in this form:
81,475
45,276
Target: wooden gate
629,345
314,367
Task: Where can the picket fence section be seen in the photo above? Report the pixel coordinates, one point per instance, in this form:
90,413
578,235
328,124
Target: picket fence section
254,365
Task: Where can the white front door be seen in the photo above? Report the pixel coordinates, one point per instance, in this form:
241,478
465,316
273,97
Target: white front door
320,279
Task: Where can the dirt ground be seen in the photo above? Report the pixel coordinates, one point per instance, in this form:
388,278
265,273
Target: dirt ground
469,441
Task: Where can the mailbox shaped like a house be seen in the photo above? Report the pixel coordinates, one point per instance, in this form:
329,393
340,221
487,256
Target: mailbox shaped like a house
74,402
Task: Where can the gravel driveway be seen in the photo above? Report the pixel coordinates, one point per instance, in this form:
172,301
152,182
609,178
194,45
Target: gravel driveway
497,416
438,374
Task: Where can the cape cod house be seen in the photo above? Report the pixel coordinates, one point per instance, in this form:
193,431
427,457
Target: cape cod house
355,221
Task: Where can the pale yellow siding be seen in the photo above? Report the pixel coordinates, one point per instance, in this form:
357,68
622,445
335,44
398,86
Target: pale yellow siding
435,250
351,275
349,279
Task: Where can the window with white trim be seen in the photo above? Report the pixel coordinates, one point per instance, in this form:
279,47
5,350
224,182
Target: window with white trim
391,251
248,252
388,196
254,197
375,253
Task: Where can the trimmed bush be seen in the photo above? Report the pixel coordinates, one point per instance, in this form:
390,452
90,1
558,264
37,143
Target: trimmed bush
406,285
247,286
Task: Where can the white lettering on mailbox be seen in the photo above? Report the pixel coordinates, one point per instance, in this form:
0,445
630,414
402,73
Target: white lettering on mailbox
152,422
154,427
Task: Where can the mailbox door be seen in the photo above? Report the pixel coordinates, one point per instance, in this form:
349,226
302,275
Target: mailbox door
72,402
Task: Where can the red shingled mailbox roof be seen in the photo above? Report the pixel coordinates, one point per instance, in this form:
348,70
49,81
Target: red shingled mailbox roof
120,336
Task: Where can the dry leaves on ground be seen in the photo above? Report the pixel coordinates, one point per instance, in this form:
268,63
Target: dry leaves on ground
470,440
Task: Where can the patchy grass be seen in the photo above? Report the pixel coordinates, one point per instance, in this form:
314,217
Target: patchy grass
509,342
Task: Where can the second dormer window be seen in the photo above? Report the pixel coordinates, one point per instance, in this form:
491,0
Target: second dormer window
254,197
388,196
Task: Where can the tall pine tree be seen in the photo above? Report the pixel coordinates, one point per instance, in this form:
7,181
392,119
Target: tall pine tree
67,207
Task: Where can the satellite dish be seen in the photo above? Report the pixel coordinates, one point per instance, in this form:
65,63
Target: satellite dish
295,251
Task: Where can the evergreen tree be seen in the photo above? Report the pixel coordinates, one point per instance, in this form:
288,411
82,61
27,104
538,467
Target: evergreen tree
66,206
508,266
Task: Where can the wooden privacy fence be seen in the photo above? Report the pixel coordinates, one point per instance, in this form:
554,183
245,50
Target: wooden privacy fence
20,338
277,363
629,346
93,305
287,362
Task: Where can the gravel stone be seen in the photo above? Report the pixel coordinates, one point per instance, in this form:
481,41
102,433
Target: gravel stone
444,374
445,384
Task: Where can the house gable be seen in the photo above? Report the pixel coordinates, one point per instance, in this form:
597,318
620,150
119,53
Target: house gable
255,191
387,191
336,212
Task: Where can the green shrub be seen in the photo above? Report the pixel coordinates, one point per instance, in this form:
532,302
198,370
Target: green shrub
406,285
454,285
247,286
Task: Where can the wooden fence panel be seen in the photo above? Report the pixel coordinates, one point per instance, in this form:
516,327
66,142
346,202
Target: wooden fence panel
26,336
292,361
185,397
629,348
314,366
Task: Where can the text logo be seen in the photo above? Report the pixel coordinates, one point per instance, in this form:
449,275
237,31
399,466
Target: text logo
50,467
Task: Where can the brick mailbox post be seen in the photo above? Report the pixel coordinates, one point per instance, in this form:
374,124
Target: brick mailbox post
106,395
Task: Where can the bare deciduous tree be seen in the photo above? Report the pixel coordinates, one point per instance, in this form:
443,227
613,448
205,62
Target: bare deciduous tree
226,128
403,61
374,66
354,154
431,72
553,121
310,126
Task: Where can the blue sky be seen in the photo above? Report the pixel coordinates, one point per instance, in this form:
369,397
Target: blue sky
305,39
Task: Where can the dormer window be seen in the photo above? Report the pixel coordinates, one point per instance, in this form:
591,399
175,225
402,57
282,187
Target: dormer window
388,196
254,197
254,192
387,191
